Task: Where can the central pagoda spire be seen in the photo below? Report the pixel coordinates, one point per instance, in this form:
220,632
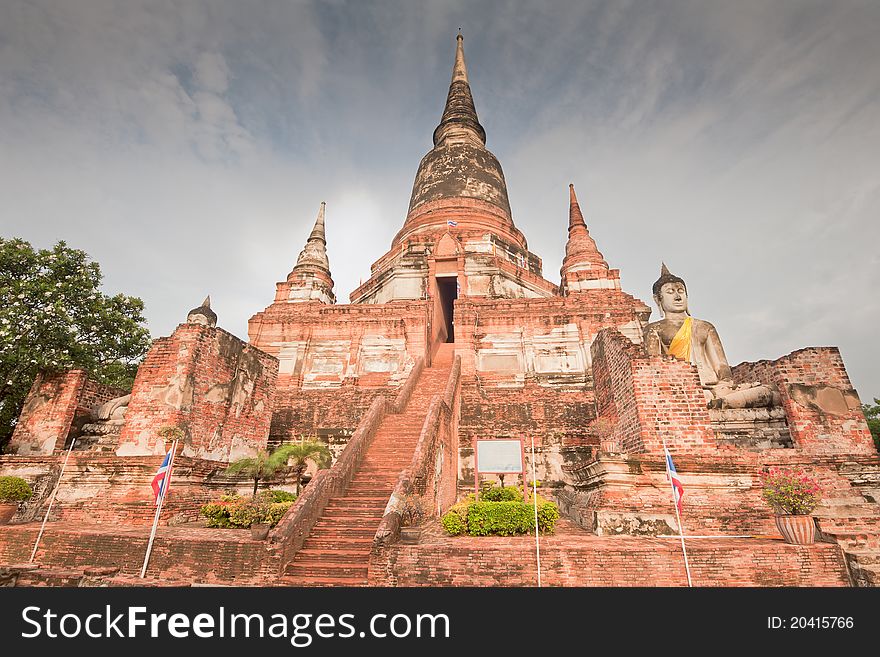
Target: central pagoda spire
459,174
459,123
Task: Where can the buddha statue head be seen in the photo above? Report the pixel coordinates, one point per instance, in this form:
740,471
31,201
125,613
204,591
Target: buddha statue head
670,293
203,314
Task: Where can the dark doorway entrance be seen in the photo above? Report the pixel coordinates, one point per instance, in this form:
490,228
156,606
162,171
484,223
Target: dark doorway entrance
447,288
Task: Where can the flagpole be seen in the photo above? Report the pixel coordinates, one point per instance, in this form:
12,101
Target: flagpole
163,492
535,501
52,500
677,516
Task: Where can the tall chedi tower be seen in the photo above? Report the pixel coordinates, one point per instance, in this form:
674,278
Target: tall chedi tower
458,238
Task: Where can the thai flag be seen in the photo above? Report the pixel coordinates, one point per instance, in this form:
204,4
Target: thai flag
162,476
451,222
672,475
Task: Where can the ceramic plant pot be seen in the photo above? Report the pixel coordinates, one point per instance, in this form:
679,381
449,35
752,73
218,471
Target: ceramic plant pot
798,530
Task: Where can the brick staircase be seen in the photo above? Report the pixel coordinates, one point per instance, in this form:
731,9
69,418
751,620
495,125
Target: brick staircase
337,551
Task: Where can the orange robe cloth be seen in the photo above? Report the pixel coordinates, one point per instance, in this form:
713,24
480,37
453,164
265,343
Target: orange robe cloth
680,347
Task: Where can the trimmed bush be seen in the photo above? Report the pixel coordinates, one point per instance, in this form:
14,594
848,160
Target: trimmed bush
454,521
278,495
14,489
500,518
499,494
506,518
240,513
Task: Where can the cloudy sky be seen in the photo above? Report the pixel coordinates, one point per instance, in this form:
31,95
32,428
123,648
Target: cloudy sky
186,146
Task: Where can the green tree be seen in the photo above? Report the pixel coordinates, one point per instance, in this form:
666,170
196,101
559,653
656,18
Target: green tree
53,316
298,455
872,415
266,465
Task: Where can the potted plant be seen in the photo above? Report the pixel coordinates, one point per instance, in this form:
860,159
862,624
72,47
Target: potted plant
792,494
12,491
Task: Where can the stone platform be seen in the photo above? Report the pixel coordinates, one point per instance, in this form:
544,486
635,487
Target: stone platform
574,557
96,554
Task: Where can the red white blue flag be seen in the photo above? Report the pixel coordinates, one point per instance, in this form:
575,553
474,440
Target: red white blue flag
672,475
162,477
451,222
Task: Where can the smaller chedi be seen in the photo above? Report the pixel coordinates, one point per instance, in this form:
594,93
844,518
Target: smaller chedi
697,342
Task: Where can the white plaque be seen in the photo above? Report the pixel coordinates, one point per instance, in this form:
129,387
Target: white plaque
499,456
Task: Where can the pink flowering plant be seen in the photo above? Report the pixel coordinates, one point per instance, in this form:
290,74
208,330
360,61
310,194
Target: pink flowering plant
791,491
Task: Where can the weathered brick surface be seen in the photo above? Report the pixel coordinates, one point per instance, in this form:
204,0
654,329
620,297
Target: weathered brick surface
102,488
821,406
649,399
571,557
180,555
48,413
218,389
316,412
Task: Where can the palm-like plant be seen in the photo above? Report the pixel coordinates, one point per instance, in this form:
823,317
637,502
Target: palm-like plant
266,465
298,455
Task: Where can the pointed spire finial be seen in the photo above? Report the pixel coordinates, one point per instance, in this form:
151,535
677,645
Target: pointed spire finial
207,302
318,231
459,123
575,217
459,71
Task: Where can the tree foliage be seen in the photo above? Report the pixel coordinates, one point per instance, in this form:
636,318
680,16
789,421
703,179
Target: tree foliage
266,465
872,415
53,316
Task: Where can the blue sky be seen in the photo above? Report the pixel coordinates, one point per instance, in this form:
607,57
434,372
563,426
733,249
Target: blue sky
187,146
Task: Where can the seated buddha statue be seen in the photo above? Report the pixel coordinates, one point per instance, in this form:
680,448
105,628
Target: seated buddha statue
697,342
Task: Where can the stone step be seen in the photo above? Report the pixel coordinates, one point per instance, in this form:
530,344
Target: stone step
318,543
353,520
343,533
345,554
347,511
310,581
326,569
352,505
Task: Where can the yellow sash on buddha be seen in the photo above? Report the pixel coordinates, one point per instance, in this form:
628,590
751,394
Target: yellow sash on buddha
680,347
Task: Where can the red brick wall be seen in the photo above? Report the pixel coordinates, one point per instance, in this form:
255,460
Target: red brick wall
552,416
299,411
48,412
94,394
181,556
106,489
579,560
820,404
650,398
215,387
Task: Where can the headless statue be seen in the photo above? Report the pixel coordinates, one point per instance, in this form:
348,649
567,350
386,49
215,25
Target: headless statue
697,342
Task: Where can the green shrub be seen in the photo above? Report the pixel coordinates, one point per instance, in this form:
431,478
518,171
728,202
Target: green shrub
505,518
14,489
276,511
454,521
277,495
238,512
548,514
499,494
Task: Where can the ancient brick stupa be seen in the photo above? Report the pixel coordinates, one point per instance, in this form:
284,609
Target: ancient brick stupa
456,337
